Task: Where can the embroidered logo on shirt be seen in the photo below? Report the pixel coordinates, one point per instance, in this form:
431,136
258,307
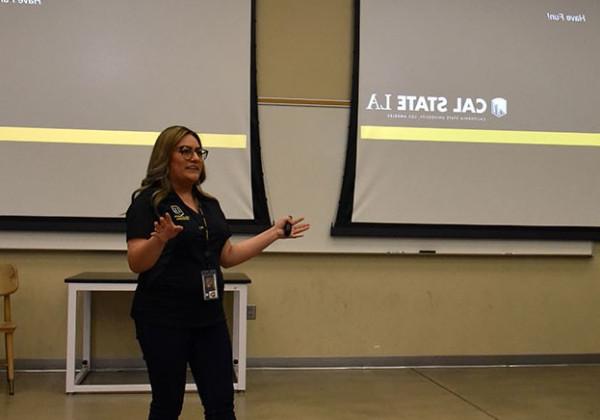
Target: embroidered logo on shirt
178,213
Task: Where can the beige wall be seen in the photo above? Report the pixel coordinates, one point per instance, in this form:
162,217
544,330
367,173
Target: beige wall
304,48
335,305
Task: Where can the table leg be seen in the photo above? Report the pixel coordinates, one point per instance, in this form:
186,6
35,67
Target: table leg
86,361
71,329
240,305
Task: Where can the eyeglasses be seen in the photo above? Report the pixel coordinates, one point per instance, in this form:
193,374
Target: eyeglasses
188,152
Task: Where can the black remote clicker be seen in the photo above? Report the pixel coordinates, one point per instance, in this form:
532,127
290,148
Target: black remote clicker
287,229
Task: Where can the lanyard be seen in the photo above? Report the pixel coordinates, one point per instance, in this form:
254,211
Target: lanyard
204,224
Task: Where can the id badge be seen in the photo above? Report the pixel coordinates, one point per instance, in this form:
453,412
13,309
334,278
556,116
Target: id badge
209,284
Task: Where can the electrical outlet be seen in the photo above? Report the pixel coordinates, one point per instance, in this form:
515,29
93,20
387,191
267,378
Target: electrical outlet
251,312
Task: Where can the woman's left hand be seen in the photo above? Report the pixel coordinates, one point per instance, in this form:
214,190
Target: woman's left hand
297,230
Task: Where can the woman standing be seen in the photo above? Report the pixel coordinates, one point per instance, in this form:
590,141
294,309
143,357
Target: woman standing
177,239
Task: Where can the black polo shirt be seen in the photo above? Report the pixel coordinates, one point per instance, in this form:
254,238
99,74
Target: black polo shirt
170,293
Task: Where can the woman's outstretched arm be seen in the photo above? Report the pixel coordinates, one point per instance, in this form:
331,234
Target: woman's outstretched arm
234,254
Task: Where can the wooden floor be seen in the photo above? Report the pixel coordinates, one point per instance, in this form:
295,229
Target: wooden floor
515,393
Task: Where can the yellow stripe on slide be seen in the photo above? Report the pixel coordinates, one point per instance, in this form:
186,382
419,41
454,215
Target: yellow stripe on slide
372,132
121,138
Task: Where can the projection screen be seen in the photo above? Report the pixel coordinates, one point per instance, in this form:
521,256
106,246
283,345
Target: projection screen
475,118
87,86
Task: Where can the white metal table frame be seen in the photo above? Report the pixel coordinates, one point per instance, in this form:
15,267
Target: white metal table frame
75,377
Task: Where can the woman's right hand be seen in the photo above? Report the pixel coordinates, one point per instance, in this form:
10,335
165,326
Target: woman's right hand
165,229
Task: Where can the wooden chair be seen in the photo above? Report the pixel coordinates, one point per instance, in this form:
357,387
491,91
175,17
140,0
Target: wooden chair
9,282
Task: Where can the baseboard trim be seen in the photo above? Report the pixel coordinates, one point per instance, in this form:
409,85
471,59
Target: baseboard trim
424,361
345,362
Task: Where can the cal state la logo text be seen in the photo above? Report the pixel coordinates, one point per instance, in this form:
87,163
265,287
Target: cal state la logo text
437,104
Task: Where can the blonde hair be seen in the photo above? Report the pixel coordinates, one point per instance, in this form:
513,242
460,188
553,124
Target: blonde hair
157,174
